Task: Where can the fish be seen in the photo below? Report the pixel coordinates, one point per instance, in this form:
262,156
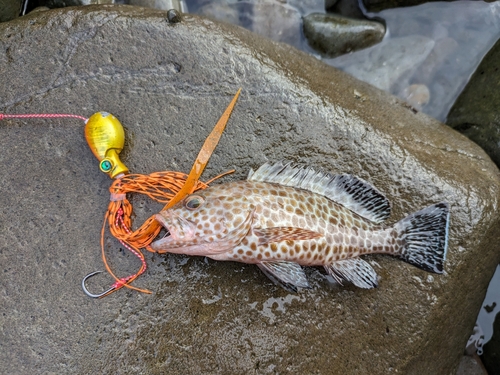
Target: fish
286,216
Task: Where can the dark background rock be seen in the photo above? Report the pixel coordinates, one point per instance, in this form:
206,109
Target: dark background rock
378,5
491,350
347,8
168,84
9,9
476,112
333,35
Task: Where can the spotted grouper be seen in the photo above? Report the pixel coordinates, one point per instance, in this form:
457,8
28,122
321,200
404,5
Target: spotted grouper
284,217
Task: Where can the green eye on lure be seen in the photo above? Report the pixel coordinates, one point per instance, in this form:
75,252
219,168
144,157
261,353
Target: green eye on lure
106,138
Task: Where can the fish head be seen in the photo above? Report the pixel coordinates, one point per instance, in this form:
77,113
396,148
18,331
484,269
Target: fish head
205,224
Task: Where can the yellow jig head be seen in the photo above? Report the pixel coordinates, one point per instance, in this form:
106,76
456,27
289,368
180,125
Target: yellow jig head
106,137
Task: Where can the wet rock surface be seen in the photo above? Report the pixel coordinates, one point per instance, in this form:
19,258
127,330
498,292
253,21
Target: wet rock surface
168,84
476,113
333,35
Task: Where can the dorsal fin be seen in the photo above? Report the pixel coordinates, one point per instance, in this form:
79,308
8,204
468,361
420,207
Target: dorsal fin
350,191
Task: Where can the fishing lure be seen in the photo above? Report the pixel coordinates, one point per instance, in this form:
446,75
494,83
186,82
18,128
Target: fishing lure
106,138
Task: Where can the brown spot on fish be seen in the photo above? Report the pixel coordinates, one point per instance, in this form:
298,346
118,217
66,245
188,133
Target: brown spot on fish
249,253
240,251
259,256
267,254
274,247
253,246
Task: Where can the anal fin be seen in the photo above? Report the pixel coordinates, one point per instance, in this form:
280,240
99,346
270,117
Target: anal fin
278,234
288,275
354,270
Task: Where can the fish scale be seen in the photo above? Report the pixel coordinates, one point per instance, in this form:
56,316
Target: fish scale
284,217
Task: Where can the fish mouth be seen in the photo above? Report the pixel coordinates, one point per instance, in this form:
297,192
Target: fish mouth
179,230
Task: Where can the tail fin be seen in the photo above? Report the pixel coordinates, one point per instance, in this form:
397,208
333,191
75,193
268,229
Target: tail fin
425,236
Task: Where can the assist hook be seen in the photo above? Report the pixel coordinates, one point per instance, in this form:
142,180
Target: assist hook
85,290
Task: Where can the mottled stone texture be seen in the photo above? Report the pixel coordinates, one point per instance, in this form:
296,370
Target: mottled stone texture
168,84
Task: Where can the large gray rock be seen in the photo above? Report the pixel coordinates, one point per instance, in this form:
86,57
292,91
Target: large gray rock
168,84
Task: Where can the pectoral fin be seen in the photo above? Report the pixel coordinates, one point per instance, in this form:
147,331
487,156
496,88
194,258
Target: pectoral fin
288,275
354,270
278,234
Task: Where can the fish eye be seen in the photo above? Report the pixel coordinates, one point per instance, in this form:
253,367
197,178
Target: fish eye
193,202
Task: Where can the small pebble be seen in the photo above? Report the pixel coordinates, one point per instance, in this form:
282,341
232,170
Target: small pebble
173,16
417,95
